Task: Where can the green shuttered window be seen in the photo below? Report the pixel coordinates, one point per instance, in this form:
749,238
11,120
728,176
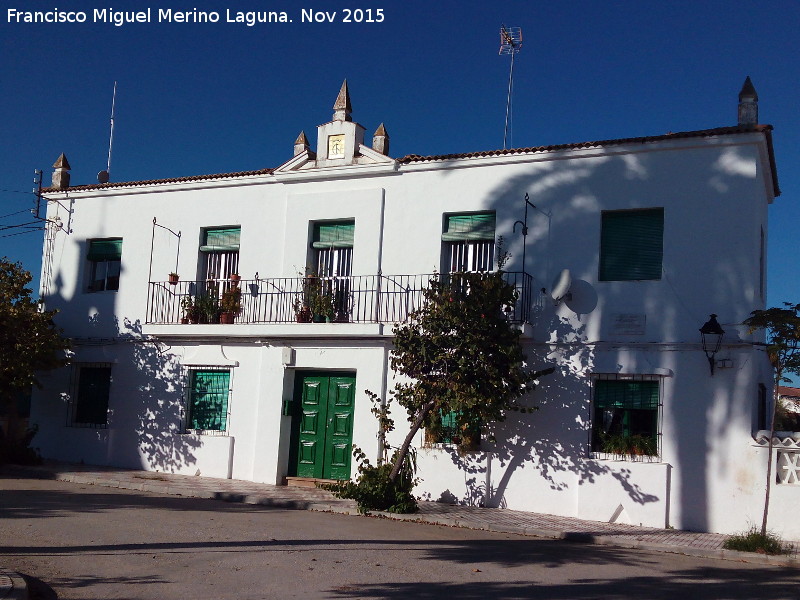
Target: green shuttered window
100,250
208,400
333,235
626,394
473,226
105,264
221,239
631,244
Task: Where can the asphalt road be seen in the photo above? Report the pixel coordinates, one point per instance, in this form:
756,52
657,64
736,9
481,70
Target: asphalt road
83,542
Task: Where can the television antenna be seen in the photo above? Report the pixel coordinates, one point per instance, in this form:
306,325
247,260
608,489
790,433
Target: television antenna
510,43
103,176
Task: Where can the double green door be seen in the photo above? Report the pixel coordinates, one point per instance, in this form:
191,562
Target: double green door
323,426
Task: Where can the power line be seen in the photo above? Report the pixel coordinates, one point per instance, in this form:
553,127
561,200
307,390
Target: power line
29,223
27,210
16,192
31,230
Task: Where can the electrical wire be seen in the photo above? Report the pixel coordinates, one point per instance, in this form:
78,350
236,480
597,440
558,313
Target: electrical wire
27,210
17,192
31,230
4,227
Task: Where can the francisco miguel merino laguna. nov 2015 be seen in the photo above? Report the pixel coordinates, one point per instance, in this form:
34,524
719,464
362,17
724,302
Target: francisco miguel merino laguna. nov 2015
119,18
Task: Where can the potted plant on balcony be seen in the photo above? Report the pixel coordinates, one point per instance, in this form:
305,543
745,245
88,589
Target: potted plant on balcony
234,277
230,305
208,307
322,307
302,311
173,278
191,313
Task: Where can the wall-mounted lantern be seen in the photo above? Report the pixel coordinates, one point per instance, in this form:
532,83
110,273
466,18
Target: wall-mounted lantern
711,336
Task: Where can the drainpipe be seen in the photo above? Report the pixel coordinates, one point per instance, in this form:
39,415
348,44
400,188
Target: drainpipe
385,366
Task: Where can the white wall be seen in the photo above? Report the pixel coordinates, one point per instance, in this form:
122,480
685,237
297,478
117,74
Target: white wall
714,196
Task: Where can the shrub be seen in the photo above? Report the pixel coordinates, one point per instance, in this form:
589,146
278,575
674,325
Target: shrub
753,541
373,490
19,452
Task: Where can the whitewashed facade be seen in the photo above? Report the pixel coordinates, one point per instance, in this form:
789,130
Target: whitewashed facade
703,196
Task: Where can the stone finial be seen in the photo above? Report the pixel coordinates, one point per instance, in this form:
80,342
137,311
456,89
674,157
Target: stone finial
301,143
342,107
380,140
748,104
61,173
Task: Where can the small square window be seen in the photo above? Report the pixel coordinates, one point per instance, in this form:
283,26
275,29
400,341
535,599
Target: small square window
631,244
208,400
90,393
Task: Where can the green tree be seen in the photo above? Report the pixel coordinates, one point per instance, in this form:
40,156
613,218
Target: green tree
782,326
29,341
462,357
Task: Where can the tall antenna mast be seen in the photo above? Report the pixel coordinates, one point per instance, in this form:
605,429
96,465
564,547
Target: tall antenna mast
510,43
103,176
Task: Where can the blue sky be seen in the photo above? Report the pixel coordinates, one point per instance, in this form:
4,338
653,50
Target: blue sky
208,98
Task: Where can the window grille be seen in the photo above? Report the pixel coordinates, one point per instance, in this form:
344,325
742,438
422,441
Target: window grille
90,389
208,400
626,415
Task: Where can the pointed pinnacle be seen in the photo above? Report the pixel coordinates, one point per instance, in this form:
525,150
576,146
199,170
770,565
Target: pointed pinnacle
61,162
380,131
748,90
343,99
302,139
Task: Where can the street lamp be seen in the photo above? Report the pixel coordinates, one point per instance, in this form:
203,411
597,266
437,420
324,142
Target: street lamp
711,336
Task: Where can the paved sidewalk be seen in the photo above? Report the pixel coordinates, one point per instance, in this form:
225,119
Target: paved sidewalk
707,545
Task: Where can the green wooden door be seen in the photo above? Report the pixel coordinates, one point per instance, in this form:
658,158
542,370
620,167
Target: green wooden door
323,427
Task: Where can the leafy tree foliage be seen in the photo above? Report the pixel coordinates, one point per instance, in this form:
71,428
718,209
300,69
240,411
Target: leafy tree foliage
782,326
462,357
29,340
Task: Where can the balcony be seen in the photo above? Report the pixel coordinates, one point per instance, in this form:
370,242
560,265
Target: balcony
381,299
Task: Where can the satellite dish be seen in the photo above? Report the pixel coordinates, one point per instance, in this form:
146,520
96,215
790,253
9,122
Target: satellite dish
561,286
102,176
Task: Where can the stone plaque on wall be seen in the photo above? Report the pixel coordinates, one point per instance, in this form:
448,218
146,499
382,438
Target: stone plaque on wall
628,323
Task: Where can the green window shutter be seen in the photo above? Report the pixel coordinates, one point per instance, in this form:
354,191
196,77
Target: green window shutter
100,250
221,239
208,401
473,226
334,235
631,245
626,394
94,386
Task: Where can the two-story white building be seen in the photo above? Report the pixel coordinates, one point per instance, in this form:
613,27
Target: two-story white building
629,245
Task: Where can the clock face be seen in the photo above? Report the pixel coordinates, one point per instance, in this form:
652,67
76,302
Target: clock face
336,146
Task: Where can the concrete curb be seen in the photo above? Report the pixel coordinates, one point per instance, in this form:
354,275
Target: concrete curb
12,586
165,486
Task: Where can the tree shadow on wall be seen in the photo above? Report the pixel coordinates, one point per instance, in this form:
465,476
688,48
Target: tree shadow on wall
157,403
553,440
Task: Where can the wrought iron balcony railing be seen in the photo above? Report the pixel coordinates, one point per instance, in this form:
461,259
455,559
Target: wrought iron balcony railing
354,299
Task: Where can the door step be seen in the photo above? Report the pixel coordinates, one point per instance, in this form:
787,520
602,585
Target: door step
308,482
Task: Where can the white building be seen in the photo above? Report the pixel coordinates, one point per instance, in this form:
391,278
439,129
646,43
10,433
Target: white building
656,232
